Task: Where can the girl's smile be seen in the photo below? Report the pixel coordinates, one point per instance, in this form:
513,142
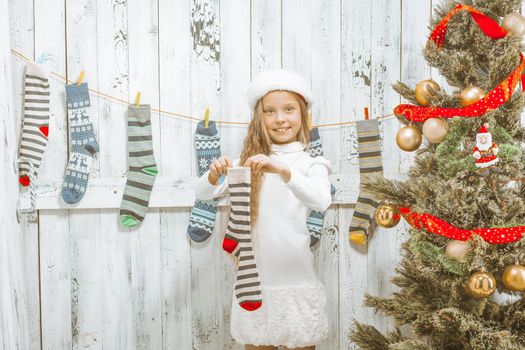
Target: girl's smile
281,116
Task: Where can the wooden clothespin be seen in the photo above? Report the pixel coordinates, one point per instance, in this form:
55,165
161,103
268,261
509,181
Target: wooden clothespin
80,77
309,121
366,113
206,117
137,99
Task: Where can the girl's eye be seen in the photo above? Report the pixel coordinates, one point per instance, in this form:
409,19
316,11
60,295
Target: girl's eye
289,109
269,111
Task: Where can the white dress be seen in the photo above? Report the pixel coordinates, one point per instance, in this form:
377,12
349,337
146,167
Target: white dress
293,312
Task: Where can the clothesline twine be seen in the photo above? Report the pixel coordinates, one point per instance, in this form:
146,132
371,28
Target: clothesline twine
174,114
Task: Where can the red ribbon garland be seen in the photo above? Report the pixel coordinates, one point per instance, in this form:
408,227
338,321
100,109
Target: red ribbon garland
490,27
494,99
440,227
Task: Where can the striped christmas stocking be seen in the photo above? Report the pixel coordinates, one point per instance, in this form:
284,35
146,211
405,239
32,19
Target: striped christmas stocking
370,162
35,126
142,168
238,233
208,147
315,218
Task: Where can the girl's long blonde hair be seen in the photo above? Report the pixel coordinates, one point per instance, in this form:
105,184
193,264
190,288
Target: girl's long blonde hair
258,141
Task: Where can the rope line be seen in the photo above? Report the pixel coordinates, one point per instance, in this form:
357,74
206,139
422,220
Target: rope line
174,114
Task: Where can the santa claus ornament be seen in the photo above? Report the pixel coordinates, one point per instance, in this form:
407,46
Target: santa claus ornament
486,152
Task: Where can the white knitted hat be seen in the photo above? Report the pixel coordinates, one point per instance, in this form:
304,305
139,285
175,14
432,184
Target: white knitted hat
279,79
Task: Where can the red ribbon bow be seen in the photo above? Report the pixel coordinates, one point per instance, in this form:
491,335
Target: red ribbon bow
494,99
490,27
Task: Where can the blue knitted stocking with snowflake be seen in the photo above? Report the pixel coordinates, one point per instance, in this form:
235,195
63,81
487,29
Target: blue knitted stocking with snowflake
316,218
208,146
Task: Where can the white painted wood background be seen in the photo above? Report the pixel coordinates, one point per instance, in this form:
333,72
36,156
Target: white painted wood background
71,278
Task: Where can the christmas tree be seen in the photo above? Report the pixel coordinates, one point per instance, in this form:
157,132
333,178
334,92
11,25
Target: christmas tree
462,275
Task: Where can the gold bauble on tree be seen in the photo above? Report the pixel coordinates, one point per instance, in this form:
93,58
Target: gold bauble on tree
424,91
471,95
514,278
435,130
514,23
457,250
481,284
387,215
409,138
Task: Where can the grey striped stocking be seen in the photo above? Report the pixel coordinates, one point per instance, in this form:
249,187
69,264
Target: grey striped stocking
35,127
142,168
248,284
370,162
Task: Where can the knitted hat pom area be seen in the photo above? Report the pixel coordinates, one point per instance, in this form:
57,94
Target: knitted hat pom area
278,80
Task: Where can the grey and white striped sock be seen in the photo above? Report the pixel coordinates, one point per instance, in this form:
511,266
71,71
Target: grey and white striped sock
248,283
142,168
35,126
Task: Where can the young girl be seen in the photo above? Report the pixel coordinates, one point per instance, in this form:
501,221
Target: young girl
285,183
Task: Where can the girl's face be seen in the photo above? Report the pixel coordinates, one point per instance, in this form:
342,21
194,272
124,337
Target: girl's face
281,116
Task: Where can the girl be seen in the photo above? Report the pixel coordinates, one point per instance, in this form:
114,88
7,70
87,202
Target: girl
285,183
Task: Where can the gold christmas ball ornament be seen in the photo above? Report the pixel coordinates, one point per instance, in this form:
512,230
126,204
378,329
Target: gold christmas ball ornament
514,23
481,285
435,130
514,278
471,95
409,138
387,215
457,250
424,91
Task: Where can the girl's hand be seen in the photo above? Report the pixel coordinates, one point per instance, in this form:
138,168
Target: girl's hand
261,162
219,167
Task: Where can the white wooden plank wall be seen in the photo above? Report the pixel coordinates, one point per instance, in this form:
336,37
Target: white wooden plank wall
14,319
87,282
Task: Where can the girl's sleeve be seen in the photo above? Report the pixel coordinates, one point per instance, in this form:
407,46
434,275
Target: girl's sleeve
312,188
204,190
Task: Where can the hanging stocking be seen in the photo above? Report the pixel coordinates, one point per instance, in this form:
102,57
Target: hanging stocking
238,235
84,146
370,162
315,218
208,146
35,125
142,168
